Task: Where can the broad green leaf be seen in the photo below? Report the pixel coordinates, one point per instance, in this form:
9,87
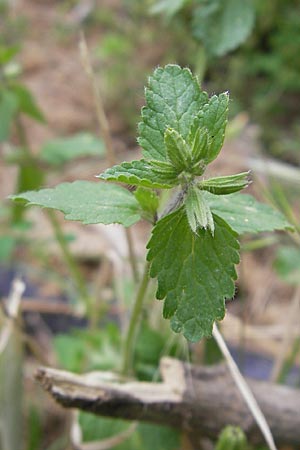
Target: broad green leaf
61,150
245,214
287,264
149,202
8,109
225,185
27,102
87,202
213,118
173,98
195,272
151,174
222,25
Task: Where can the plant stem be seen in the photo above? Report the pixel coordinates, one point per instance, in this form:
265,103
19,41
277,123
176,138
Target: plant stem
69,259
105,131
134,322
131,255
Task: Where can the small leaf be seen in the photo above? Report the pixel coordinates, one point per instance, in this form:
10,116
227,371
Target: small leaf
148,201
173,98
87,202
8,109
151,174
245,214
287,264
61,150
213,118
27,102
198,211
225,185
178,151
195,272
200,143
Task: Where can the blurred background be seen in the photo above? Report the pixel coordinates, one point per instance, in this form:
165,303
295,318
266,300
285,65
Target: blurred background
50,131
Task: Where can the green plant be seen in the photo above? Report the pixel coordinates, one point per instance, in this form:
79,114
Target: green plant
232,438
221,26
238,43
194,245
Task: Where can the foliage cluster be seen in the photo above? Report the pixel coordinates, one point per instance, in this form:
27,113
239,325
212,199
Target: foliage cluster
194,244
263,38
198,222
181,132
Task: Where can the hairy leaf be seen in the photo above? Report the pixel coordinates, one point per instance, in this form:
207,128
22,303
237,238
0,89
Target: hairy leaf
200,142
151,174
245,214
222,25
198,211
213,118
225,185
87,202
195,272
173,98
178,151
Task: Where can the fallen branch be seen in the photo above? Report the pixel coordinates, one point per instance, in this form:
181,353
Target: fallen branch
199,400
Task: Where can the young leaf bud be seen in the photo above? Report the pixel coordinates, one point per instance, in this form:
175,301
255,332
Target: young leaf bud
178,151
225,185
198,211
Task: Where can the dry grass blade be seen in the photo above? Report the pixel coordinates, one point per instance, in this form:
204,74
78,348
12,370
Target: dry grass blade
245,390
12,308
106,135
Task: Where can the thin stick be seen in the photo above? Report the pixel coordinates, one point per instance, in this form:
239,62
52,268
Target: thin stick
105,132
12,309
244,389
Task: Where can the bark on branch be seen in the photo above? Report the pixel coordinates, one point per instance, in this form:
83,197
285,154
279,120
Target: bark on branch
199,400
